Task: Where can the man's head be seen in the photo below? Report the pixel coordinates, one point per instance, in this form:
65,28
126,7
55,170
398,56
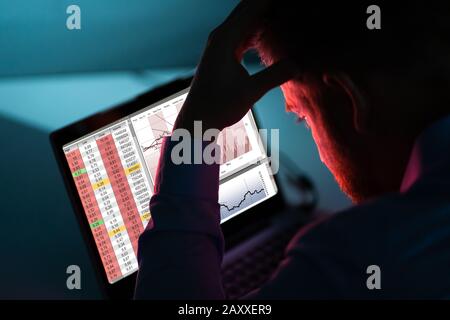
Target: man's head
365,94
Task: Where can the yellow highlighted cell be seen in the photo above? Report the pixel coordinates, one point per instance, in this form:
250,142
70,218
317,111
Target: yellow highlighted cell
100,184
132,169
146,216
113,232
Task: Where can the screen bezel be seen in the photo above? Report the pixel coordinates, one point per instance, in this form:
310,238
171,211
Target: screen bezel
235,230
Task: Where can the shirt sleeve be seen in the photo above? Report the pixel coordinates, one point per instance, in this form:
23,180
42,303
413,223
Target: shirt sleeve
181,250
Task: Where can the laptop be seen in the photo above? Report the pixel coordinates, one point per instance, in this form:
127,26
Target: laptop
108,162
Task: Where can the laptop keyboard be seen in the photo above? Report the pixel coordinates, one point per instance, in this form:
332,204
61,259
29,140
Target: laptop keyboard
255,266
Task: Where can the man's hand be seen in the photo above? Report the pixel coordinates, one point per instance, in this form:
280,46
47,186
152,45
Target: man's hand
222,90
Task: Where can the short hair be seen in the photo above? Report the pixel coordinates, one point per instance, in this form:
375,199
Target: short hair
333,34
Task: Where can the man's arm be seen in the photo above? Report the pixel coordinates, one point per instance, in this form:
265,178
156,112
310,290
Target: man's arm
180,253
181,256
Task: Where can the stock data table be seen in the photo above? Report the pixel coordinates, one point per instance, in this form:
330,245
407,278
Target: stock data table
115,194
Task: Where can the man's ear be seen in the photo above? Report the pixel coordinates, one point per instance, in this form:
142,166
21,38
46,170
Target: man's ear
344,83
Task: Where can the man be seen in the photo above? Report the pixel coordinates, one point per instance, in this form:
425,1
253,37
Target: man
377,103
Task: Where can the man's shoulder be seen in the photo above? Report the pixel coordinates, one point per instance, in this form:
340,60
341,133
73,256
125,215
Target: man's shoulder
359,221
406,235
387,218
362,233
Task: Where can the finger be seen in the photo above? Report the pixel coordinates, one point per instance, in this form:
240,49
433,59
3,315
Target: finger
271,77
244,20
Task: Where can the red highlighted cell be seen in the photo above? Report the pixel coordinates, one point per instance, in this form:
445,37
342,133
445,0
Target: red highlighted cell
93,214
122,192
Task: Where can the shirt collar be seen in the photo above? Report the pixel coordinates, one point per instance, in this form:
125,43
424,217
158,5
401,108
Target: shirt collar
430,153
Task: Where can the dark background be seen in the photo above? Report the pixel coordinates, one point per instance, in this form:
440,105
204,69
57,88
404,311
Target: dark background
50,77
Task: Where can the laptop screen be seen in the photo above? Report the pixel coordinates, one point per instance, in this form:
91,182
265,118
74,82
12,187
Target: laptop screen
114,170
